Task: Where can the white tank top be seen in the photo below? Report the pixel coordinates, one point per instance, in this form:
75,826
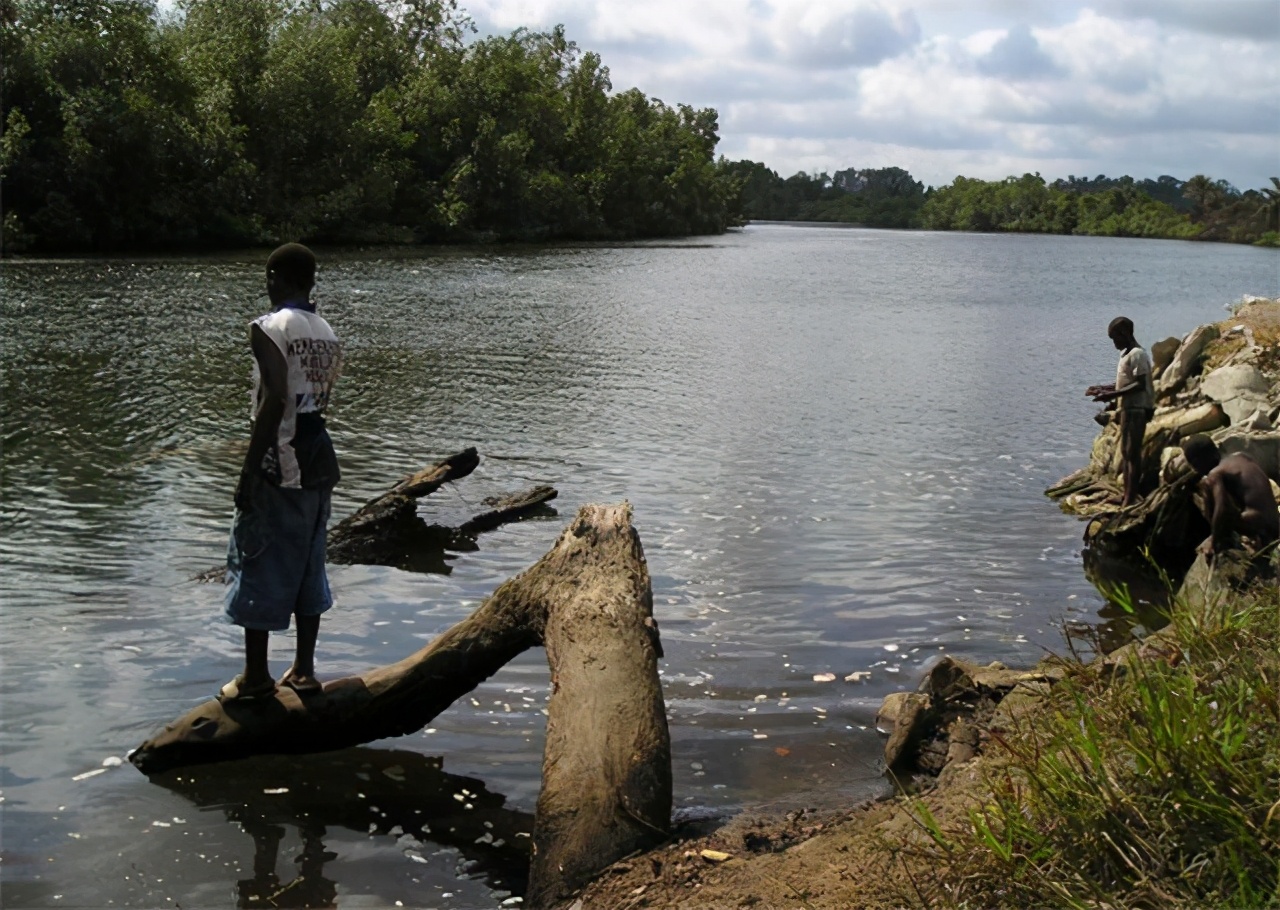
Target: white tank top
313,356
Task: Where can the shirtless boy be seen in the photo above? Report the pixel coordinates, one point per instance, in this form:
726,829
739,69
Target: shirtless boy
1238,501
276,556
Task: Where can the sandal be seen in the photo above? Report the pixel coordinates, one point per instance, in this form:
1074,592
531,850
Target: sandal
303,685
235,691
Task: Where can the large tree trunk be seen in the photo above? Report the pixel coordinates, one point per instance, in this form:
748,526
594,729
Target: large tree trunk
606,768
607,763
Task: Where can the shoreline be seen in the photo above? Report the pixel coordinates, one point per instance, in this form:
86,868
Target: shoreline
942,837
408,248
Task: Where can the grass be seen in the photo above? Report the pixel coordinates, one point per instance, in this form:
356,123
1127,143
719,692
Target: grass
1153,784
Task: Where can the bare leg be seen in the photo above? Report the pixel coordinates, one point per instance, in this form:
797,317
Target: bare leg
1130,482
1131,432
302,675
256,672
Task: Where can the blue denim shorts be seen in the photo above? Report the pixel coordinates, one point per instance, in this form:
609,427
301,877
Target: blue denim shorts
275,559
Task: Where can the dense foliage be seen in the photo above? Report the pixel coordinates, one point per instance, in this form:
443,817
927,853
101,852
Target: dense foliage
884,197
1114,207
1202,208
249,121
233,122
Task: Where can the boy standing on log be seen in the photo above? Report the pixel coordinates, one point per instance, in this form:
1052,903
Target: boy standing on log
1238,501
1134,395
276,556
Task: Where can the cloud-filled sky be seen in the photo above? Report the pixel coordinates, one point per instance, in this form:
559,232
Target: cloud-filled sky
983,88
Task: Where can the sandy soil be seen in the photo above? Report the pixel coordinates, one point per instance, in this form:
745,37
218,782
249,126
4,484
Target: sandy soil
868,857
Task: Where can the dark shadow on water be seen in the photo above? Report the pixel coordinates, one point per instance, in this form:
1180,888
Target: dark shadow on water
372,791
1137,596
427,547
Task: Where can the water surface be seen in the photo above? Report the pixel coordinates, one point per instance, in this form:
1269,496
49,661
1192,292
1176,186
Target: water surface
835,443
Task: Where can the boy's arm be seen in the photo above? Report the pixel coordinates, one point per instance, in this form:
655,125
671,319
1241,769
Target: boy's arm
1135,383
266,422
1220,522
1114,393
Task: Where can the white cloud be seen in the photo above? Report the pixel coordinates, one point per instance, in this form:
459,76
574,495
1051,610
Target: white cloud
988,88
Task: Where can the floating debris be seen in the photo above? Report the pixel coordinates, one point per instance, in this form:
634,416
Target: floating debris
715,856
858,676
824,677
94,773
276,791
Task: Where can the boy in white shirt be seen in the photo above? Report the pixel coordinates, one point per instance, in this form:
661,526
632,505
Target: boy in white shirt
276,556
1135,398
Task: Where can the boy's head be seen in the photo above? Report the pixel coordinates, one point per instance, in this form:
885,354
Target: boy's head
1201,453
291,272
1120,331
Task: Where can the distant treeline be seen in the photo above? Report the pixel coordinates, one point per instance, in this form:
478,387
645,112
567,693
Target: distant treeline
241,122
232,122
1121,207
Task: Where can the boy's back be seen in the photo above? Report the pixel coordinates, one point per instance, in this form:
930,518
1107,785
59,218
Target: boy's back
302,456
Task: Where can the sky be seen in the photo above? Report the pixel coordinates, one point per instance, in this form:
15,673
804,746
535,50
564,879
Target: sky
980,88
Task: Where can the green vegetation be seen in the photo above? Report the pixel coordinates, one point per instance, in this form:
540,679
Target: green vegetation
1028,205
1122,207
233,122
884,197
250,121
1155,786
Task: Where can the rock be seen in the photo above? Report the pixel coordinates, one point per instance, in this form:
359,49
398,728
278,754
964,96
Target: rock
1259,421
1241,389
1013,708
891,710
909,713
1162,355
962,742
1168,456
951,679
1186,361
1178,423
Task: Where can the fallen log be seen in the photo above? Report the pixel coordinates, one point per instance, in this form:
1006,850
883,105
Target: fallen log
387,530
382,525
606,770
505,508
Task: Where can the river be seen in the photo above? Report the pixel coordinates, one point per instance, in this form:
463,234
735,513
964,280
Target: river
835,442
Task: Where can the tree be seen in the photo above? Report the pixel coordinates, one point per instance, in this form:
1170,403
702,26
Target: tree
1269,208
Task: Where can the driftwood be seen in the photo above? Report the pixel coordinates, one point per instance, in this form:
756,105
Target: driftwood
387,530
606,772
382,525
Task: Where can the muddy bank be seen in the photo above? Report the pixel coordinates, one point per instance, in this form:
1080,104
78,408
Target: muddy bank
949,740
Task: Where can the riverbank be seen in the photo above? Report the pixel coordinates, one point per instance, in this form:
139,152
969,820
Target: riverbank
1147,777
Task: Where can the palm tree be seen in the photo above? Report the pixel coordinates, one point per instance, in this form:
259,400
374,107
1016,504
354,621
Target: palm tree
1269,208
1202,192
